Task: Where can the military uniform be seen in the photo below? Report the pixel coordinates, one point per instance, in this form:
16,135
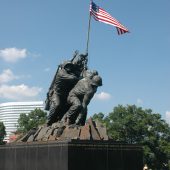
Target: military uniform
79,97
64,82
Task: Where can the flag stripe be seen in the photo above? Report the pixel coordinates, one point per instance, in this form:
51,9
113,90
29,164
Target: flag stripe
108,21
101,15
108,16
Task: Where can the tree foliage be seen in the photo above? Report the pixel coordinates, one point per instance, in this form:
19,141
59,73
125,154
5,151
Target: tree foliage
31,120
134,125
2,132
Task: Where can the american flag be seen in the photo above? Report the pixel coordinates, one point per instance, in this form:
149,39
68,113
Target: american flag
101,15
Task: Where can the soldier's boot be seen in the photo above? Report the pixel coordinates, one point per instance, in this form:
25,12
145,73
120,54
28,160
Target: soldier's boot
68,121
80,121
48,123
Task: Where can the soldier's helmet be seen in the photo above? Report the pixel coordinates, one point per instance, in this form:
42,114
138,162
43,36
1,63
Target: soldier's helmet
97,81
90,74
80,60
68,66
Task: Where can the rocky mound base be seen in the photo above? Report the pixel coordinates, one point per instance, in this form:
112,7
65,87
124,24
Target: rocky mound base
92,130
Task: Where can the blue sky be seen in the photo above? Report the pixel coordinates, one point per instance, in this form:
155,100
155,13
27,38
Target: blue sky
36,36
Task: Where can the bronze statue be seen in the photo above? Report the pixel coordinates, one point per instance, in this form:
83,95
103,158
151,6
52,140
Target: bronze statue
66,77
71,90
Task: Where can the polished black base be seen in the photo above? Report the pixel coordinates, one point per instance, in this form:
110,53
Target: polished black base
71,155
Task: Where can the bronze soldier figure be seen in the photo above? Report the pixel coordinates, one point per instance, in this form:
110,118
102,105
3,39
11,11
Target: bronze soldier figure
66,77
79,97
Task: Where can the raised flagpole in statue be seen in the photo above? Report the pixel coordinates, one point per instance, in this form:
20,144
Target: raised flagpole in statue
88,33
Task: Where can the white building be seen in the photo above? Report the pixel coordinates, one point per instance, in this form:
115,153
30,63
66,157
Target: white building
10,112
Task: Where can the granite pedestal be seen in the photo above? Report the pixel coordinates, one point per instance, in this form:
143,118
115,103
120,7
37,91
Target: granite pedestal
71,155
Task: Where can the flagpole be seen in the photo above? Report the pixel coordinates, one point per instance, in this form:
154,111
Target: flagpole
88,33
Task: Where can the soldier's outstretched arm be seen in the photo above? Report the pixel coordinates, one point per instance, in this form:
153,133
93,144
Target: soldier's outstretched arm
86,99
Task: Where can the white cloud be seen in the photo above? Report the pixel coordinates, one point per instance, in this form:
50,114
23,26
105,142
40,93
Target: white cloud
139,101
47,69
6,76
102,96
19,92
167,116
13,54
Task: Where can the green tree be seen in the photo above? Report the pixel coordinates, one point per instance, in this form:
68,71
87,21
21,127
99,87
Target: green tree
99,117
2,132
31,120
132,124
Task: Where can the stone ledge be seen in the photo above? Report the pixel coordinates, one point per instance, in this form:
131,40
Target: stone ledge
59,131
